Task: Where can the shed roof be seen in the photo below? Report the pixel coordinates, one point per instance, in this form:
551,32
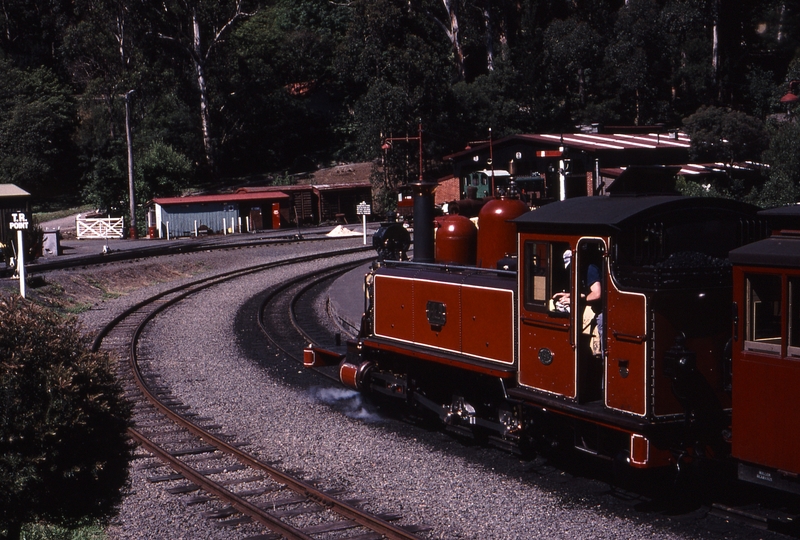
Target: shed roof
12,190
222,198
694,169
590,142
593,142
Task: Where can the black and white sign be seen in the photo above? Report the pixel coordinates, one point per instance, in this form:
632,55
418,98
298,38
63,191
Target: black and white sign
19,221
363,209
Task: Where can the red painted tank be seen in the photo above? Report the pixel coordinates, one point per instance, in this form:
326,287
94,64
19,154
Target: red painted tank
496,237
456,240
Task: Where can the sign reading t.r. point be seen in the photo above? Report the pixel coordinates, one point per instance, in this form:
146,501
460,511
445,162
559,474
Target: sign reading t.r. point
19,221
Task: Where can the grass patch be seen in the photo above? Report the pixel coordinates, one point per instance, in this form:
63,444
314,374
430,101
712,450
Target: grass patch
51,532
61,213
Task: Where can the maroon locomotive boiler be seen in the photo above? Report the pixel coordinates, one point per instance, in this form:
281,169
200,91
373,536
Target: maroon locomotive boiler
604,326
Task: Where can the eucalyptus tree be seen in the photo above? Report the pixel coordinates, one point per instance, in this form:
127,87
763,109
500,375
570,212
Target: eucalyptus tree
31,31
283,107
637,65
198,28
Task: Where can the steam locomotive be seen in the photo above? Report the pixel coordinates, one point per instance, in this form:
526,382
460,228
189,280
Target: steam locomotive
691,351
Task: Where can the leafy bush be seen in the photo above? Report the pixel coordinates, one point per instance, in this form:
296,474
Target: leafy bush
63,420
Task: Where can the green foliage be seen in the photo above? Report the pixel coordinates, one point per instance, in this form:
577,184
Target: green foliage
63,449
37,116
287,85
725,135
52,532
783,155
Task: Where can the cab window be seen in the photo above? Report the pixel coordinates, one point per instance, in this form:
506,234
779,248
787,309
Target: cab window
764,307
545,274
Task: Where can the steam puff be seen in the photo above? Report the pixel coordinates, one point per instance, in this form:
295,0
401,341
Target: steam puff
349,402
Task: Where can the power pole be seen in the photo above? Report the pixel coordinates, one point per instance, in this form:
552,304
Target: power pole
132,233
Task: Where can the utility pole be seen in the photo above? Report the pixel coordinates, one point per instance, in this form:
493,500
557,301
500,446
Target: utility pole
132,233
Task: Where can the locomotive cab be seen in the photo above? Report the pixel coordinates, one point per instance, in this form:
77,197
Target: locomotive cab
630,371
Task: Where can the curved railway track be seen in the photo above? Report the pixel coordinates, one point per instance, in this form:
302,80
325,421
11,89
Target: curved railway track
288,318
289,303
161,248
247,489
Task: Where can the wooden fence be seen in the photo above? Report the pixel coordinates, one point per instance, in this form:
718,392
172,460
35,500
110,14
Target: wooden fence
100,228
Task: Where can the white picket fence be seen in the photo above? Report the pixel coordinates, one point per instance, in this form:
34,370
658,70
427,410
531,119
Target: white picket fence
100,228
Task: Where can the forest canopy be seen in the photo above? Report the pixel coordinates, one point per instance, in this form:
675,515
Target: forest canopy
224,89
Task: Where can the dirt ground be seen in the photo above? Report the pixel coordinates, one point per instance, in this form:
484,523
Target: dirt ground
77,290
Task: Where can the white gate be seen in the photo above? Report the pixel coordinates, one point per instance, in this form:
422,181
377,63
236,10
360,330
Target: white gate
101,228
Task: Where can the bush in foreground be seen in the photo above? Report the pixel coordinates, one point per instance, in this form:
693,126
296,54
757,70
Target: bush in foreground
63,449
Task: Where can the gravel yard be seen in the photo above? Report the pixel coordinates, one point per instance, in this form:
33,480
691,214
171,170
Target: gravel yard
215,360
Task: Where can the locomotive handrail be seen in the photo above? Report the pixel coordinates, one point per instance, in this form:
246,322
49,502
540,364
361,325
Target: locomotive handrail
632,338
451,267
546,324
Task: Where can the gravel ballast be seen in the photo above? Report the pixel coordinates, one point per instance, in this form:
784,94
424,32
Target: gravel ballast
213,359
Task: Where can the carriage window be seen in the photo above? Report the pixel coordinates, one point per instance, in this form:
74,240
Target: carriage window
545,273
794,317
763,313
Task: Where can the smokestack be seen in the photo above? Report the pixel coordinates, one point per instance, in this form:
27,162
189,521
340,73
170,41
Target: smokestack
423,221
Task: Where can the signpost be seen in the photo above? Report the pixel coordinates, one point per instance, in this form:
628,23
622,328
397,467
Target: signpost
19,222
363,210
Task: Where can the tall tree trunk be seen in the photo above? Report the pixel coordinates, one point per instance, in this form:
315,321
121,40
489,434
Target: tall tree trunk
199,68
451,7
781,22
488,38
199,58
715,42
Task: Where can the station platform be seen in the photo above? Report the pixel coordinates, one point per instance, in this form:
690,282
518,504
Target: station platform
346,300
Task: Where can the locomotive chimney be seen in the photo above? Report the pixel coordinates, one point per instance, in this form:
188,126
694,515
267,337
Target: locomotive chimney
423,221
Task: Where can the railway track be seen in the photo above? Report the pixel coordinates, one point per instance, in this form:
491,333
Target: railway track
235,487
161,248
289,303
288,317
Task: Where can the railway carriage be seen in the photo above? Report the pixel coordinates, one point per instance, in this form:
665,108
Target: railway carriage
766,354
659,371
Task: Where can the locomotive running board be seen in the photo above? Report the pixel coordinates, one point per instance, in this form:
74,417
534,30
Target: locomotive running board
502,371
314,356
595,413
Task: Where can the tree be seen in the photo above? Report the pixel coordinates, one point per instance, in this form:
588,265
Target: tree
63,447
449,23
37,116
198,28
720,134
636,63
783,157
282,105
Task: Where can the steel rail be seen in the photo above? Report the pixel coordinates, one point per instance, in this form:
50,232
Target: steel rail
309,491
240,504
282,288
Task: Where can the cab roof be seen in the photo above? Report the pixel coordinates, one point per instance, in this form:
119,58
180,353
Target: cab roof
610,214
